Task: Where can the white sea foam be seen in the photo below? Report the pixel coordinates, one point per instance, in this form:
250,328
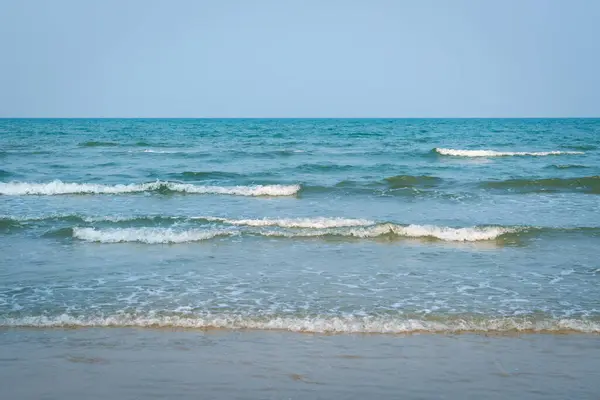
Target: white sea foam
471,234
351,324
315,223
58,187
146,235
493,153
168,235
292,227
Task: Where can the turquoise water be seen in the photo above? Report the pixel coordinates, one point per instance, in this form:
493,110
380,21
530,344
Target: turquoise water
333,225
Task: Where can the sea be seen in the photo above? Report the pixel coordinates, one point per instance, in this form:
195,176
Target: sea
374,236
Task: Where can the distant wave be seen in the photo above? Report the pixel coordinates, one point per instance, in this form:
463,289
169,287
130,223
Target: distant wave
314,222
583,147
168,235
587,184
58,187
164,151
567,166
4,173
405,181
270,154
386,184
93,143
78,219
205,175
493,153
98,143
322,167
315,324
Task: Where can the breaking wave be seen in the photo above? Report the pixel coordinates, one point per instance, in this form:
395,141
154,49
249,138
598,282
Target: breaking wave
163,228
317,324
472,234
146,235
493,153
58,187
169,235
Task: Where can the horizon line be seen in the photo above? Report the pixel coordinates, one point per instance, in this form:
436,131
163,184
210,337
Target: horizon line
216,118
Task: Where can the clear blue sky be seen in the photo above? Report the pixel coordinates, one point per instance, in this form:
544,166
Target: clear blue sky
291,58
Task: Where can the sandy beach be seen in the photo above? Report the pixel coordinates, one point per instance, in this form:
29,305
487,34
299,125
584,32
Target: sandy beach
219,364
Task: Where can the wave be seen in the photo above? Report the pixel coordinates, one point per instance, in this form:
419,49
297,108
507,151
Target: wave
4,173
269,154
8,223
169,235
323,168
583,147
493,153
205,175
472,234
153,144
93,143
167,152
316,324
58,187
314,223
567,166
146,235
407,181
587,184
163,228
384,185
78,219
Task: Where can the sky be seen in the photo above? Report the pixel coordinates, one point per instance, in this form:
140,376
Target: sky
292,58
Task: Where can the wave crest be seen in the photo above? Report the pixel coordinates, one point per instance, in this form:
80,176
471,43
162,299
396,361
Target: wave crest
146,235
58,187
306,229
493,153
473,234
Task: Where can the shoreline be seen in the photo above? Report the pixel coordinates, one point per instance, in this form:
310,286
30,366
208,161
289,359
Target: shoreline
208,329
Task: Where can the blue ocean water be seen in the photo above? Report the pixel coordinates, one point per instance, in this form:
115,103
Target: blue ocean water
325,225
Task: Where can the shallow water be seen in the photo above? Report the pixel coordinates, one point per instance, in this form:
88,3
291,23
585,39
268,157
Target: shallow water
382,226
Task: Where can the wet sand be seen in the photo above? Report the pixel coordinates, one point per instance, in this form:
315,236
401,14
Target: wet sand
128,363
